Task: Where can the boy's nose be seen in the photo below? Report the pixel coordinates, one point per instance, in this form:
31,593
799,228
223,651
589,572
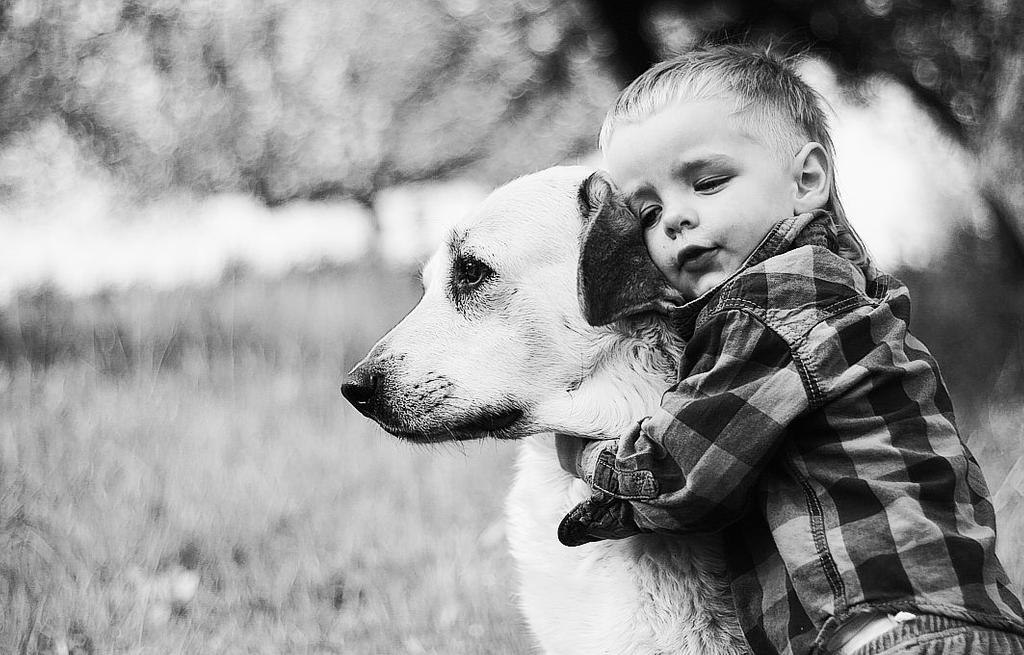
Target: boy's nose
676,220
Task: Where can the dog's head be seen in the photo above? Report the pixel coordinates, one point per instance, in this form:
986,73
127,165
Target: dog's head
498,345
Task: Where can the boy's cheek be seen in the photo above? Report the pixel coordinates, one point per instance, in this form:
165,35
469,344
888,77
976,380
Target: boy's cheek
657,247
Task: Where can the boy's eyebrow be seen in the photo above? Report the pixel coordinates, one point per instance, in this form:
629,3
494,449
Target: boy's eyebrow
685,168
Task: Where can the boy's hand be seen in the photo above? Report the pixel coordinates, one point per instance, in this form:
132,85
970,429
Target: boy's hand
602,516
579,455
599,517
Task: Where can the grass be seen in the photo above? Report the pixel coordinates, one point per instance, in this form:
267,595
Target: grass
179,474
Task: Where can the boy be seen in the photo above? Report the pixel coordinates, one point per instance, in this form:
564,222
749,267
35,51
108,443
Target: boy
807,424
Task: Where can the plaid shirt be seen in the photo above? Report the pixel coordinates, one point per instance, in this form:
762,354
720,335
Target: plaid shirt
812,429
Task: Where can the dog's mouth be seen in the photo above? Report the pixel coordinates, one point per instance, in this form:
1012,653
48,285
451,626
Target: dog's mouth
493,423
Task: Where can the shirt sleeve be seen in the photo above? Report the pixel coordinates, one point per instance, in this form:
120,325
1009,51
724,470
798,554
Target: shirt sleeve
690,467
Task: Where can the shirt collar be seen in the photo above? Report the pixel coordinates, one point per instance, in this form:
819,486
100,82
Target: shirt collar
814,228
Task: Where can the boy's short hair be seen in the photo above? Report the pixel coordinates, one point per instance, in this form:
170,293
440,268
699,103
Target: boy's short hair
776,102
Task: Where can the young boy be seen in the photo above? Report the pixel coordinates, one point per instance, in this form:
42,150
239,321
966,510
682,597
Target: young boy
807,424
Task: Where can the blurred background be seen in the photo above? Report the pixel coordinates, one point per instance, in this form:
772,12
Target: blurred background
210,210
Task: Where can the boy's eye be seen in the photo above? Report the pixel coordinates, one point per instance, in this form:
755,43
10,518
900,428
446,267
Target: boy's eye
710,184
649,215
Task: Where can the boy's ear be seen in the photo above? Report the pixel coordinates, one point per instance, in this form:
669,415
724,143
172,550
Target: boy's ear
616,276
812,172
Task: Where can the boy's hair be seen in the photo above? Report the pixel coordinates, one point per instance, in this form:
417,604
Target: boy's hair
776,103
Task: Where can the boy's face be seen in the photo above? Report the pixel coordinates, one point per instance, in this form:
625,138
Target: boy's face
707,188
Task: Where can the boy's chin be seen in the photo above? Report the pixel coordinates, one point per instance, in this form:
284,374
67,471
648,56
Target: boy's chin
694,289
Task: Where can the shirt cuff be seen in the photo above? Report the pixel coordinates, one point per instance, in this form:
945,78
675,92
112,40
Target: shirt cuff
622,482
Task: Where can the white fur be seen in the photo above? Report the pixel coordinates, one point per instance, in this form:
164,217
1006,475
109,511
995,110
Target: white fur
526,345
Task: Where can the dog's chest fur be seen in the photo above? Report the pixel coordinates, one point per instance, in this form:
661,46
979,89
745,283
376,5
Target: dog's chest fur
645,594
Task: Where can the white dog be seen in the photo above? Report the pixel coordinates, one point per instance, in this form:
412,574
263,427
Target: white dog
498,348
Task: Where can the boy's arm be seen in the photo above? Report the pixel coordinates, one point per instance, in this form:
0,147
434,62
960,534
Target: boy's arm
691,465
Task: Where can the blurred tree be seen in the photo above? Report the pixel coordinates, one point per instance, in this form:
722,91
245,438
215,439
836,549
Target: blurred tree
308,99
316,98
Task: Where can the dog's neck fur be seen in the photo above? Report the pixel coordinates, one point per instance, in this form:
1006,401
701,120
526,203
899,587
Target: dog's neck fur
650,593
631,364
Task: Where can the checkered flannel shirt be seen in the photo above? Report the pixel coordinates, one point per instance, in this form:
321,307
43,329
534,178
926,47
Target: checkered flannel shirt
814,430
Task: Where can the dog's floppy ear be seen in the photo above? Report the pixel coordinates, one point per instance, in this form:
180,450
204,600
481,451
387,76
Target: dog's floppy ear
616,276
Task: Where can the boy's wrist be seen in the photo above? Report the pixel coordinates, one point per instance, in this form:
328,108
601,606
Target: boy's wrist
589,457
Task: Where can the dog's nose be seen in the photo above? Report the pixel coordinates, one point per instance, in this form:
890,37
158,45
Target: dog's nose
360,389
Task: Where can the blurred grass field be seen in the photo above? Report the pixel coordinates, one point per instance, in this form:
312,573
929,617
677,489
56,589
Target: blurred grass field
179,474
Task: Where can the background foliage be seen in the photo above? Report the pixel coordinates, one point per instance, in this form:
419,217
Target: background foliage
305,99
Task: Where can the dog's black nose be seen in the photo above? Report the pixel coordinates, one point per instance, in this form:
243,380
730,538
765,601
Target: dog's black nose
360,389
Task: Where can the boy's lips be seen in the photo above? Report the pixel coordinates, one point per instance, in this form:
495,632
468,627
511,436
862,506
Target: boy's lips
695,258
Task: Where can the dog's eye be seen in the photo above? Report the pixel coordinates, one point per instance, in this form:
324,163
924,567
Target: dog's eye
470,272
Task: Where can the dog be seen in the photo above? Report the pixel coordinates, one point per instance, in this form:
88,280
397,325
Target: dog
498,348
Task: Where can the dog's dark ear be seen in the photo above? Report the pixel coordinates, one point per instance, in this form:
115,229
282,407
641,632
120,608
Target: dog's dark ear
616,276
592,193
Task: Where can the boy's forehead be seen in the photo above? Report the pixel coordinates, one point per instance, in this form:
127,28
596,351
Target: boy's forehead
696,130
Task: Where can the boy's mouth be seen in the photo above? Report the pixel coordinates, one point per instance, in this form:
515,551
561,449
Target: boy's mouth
695,258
